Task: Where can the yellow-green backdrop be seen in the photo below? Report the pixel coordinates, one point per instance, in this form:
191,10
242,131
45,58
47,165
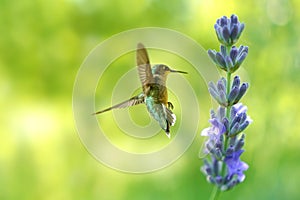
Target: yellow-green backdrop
42,45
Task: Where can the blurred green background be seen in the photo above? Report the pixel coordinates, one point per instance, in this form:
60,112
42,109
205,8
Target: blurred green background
42,45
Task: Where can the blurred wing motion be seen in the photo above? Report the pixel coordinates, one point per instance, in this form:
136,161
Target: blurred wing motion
144,67
164,116
131,102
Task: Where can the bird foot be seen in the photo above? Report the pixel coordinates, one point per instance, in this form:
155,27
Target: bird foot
170,105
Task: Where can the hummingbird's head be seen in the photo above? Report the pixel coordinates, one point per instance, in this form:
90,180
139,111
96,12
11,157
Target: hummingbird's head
164,70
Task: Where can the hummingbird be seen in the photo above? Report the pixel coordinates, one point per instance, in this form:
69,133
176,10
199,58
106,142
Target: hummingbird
155,93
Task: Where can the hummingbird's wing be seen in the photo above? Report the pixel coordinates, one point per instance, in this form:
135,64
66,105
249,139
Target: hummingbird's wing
144,67
130,102
164,116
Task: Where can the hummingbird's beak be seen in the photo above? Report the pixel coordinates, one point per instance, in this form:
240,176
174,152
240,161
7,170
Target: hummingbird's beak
176,71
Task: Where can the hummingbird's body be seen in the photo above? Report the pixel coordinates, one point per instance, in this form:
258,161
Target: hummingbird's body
155,93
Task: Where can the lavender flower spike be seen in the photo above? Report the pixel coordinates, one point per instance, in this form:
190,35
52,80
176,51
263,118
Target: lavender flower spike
216,148
228,30
230,61
223,166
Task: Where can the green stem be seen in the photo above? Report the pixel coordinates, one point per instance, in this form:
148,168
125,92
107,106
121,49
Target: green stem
215,193
227,93
228,108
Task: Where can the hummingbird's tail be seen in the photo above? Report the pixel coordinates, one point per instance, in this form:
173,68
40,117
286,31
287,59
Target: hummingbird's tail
163,115
130,102
171,118
168,130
